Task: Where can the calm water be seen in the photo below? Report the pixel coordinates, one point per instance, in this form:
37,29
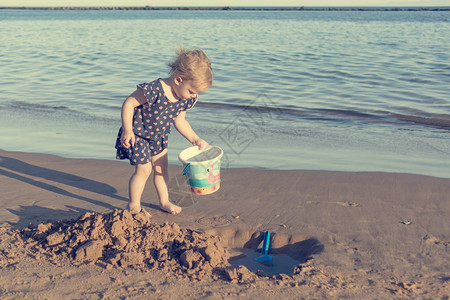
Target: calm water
358,91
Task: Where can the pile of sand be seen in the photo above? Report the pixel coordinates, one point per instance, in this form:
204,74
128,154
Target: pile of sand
123,239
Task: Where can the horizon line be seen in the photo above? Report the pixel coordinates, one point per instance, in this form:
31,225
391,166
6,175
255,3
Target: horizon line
232,6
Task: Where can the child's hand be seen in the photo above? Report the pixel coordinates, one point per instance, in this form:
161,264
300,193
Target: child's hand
128,139
200,143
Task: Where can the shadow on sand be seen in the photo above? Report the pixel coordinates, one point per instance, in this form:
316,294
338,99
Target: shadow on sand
287,250
19,170
284,256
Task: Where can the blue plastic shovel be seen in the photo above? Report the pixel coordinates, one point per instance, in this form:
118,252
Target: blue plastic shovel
265,249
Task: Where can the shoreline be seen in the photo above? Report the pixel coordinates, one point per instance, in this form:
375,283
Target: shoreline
226,165
229,8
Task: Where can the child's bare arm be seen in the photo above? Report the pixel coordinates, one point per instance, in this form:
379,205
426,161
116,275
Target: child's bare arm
134,100
183,127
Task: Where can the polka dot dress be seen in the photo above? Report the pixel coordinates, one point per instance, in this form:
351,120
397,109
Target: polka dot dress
151,124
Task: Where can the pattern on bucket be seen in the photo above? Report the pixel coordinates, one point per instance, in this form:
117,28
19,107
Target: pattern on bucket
202,168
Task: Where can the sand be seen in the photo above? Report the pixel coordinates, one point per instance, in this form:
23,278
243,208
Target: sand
356,235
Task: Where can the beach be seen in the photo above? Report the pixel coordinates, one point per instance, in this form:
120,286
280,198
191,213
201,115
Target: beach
355,235
335,139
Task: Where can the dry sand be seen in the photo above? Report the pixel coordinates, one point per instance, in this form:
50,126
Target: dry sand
336,235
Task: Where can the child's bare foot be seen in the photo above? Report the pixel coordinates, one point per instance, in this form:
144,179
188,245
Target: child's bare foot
171,208
138,209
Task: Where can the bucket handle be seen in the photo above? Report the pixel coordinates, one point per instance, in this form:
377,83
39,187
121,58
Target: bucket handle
186,168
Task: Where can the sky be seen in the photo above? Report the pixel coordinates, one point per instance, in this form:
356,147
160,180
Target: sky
165,3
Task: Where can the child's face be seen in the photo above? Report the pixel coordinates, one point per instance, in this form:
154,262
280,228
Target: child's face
187,89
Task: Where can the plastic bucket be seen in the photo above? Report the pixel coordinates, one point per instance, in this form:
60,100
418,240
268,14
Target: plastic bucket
202,168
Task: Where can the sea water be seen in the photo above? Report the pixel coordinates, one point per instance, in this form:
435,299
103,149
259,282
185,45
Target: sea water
329,90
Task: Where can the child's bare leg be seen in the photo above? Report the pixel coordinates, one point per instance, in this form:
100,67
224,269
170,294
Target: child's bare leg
161,180
137,184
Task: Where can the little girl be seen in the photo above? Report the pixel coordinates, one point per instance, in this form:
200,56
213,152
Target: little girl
147,115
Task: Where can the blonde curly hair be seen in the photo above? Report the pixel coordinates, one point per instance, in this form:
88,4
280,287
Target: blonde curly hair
192,64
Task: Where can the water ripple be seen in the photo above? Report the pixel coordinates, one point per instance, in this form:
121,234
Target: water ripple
389,71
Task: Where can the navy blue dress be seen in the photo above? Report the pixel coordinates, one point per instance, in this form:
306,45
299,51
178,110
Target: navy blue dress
151,124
